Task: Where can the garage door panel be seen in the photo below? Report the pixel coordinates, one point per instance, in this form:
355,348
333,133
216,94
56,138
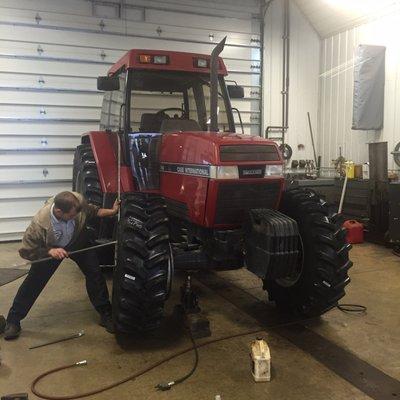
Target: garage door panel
29,191
48,112
69,66
35,173
46,128
39,81
38,142
104,40
43,67
13,228
246,80
36,158
45,98
19,207
191,26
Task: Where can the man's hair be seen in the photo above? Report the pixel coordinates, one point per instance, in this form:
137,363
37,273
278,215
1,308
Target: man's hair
66,201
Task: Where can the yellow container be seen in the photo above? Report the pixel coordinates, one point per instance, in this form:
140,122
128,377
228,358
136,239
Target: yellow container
350,169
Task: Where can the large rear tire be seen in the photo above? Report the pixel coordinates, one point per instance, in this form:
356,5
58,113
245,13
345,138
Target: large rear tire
143,273
85,180
323,273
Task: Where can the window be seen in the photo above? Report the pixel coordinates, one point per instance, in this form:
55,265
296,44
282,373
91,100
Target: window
111,108
186,94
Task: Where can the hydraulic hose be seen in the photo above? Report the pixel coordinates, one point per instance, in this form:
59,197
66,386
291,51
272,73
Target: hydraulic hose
143,371
161,386
131,377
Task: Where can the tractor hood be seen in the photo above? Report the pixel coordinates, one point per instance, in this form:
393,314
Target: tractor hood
222,148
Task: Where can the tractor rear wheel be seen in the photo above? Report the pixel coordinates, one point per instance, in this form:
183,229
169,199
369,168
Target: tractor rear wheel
142,277
323,268
85,180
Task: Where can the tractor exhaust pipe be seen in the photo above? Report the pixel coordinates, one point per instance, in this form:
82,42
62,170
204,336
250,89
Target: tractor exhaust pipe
214,85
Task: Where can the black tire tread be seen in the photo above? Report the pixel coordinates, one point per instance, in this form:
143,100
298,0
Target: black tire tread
143,254
326,257
85,180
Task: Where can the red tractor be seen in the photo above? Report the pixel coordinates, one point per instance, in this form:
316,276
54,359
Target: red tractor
197,195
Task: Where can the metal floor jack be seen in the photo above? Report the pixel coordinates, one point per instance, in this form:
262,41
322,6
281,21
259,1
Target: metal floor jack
194,318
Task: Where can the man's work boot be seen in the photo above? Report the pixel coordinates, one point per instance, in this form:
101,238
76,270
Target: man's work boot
12,331
2,324
106,321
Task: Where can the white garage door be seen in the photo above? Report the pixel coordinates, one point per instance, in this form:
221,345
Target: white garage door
51,52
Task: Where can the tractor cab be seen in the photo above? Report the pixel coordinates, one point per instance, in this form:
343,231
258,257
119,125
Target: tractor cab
154,92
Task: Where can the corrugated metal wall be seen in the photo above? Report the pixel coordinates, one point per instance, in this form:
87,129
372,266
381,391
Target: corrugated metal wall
336,90
50,55
304,73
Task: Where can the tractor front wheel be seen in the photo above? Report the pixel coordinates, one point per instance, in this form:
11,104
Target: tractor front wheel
142,277
322,273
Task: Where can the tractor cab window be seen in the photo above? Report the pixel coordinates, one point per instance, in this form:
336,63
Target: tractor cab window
163,101
111,111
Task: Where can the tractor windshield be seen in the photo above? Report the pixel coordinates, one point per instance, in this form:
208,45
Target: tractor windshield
164,101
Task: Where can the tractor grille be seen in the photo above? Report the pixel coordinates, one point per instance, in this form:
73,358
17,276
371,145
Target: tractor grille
234,199
248,152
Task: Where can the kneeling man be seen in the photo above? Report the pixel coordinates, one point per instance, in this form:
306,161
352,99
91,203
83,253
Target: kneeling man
58,228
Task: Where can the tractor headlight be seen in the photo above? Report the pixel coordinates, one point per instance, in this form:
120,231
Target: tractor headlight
273,170
227,172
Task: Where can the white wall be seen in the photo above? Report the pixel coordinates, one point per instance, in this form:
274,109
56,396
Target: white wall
336,80
304,72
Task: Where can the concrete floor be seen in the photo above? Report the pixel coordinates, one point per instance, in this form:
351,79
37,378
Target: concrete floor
63,308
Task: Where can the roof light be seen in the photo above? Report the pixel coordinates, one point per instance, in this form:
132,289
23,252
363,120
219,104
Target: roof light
201,63
145,58
160,60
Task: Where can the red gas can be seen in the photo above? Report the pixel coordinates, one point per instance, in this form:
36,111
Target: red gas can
355,231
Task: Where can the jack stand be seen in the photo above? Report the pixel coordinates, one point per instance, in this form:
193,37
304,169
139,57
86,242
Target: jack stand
195,320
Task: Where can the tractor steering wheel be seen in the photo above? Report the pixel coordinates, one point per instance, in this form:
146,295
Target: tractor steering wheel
163,111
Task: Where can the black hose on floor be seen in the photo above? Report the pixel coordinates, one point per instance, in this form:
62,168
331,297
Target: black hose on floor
352,308
347,308
143,371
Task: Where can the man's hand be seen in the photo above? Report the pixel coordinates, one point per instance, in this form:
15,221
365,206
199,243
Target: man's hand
58,253
109,212
116,206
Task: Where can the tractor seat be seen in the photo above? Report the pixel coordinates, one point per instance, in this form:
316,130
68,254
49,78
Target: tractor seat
177,125
151,123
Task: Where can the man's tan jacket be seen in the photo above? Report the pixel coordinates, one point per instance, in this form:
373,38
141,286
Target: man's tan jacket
39,237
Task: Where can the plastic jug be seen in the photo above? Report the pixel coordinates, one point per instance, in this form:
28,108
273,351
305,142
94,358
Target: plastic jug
350,169
261,360
355,231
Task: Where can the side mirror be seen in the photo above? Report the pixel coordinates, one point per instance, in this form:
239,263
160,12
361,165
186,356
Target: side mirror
108,83
235,91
